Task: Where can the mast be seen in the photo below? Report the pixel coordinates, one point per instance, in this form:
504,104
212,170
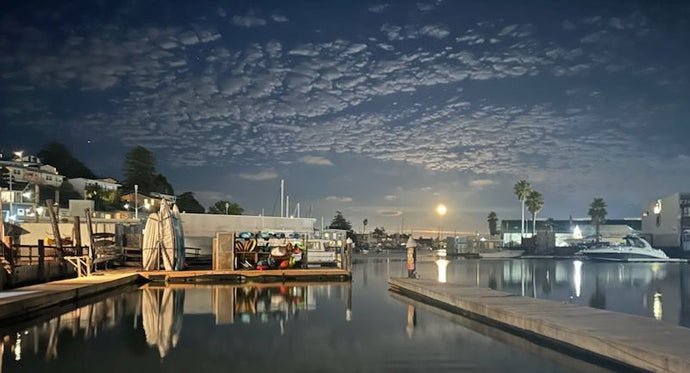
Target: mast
282,195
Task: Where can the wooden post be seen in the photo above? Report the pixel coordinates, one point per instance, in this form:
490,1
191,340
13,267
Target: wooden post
56,229
41,259
87,214
76,234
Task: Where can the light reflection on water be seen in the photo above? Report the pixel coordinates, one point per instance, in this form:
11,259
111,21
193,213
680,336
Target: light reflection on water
299,327
655,290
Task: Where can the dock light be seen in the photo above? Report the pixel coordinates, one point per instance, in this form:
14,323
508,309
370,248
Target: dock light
26,194
126,206
657,207
19,154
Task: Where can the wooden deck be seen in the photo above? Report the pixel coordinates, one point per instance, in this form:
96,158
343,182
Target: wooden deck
271,275
26,302
629,340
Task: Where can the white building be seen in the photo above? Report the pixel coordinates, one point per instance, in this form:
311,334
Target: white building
667,222
29,170
80,184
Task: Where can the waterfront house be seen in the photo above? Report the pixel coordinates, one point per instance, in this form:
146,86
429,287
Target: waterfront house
81,185
666,222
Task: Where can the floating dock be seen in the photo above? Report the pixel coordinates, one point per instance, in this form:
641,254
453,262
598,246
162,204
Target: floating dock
29,301
628,340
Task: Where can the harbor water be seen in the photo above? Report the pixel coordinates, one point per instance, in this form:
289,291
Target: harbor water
348,327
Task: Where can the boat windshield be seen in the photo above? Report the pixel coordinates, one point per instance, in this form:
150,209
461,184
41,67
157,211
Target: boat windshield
634,241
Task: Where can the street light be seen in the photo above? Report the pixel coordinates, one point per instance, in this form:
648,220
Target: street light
441,211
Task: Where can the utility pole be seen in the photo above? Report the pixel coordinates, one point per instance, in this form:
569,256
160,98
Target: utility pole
136,201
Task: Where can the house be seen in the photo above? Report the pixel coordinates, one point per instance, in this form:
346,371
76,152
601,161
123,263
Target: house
23,176
666,222
81,185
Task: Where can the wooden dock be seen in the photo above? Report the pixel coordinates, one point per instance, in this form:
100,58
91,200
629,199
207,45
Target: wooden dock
271,275
628,340
28,301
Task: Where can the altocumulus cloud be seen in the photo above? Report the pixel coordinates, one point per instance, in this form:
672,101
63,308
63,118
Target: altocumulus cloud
319,161
263,175
339,199
482,183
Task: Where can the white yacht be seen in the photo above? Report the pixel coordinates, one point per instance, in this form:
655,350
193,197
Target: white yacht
634,249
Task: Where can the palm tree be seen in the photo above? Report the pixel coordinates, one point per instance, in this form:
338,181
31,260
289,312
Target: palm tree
492,219
534,202
364,223
521,190
597,210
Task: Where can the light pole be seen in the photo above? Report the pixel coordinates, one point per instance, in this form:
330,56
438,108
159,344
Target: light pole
136,201
441,211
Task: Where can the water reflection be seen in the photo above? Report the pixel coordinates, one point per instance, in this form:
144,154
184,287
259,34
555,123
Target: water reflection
154,316
162,311
634,288
442,265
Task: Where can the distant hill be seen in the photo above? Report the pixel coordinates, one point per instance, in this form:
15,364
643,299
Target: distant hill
58,156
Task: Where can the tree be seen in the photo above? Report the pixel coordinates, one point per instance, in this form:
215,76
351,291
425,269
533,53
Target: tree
493,227
139,169
364,223
161,185
104,200
67,193
58,156
534,203
379,233
224,207
521,190
597,211
339,222
187,203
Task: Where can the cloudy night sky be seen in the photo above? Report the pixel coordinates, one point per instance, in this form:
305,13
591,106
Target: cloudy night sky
379,110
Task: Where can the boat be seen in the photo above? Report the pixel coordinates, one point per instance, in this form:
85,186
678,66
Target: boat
633,249
503,254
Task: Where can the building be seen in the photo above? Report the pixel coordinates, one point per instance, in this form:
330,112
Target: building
30,170
568,231
23,176
81,185
666,222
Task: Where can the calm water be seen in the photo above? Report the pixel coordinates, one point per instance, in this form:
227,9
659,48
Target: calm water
331,327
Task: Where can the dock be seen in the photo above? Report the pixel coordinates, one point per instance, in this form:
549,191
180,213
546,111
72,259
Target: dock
29,301
628,340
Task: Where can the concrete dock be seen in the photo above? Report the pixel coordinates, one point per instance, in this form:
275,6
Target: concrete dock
25,302
629,340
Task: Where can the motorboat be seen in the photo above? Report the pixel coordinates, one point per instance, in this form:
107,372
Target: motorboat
631,250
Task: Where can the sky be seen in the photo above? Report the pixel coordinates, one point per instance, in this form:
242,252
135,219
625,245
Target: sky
380,110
